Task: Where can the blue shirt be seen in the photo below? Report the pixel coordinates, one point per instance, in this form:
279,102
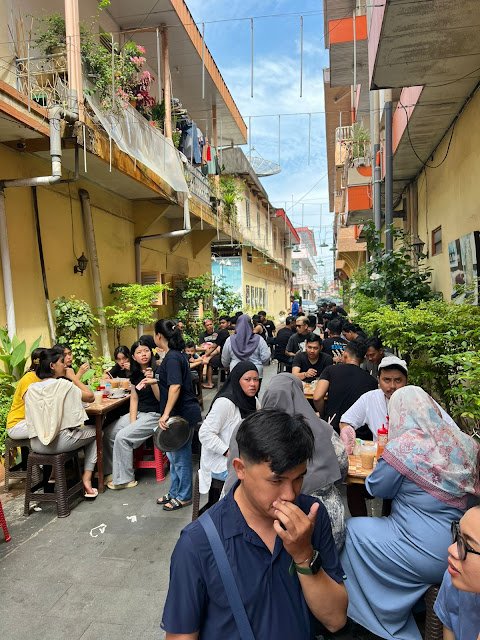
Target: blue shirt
458,610
273,598
295,308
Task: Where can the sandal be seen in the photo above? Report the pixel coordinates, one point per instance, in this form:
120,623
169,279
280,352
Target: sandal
164,499
207,386
175,504
91,496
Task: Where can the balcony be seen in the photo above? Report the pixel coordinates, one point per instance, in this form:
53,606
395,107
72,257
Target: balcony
198,184
43,79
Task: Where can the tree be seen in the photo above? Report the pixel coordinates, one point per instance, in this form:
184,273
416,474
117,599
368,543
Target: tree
132,305
225,298
391,276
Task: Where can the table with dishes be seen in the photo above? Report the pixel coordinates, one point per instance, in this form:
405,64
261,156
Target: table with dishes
99,409
309,389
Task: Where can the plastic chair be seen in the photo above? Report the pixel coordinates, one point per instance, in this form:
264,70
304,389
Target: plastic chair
62,493
433,626
156,459
3,524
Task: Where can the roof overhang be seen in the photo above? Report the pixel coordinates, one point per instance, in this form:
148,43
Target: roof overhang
186,53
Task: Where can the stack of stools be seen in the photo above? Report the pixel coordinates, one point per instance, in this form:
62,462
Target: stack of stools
156,459
62,494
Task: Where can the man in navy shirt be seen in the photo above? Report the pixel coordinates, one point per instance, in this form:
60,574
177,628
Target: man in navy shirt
278,543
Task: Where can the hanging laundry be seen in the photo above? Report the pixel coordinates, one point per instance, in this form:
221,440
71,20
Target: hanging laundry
189,144
212,161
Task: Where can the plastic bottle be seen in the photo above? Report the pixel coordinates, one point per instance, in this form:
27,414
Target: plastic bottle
108,388
382,439
357,447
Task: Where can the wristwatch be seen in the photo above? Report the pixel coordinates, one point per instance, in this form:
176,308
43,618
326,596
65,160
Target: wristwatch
313,568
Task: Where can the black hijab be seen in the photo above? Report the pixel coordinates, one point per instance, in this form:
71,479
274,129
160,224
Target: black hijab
233,391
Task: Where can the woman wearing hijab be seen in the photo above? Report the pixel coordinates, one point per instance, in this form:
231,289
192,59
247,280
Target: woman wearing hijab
245,345
234,402
330,461
428,469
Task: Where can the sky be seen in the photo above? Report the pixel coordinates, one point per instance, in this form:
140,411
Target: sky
276,90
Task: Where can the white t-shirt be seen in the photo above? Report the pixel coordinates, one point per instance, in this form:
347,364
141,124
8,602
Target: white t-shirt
372,409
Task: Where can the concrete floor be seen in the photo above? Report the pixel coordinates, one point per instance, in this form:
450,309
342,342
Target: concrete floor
97,574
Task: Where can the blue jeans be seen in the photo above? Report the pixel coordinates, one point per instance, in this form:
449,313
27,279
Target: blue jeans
220,476
181,472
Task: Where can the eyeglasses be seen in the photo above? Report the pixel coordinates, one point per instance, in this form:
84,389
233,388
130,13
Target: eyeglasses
462,547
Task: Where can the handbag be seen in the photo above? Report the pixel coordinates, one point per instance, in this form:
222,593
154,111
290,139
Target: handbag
228,579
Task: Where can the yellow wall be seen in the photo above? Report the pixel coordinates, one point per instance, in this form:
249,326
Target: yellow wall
257,275
450,194
117,221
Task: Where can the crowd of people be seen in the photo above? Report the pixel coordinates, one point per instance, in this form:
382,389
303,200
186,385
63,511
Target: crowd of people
299,565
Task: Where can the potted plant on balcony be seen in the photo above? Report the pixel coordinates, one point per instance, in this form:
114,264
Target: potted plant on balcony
360,144
50,37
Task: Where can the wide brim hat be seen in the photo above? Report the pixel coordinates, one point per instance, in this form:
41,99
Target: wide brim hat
175,437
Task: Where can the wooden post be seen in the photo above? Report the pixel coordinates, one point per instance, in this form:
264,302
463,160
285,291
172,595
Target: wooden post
167,97
74,62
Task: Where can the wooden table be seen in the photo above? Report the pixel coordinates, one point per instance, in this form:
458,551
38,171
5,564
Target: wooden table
99,411
356,473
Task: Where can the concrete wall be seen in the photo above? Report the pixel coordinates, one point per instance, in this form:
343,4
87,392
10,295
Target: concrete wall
257,275
450,194
117,221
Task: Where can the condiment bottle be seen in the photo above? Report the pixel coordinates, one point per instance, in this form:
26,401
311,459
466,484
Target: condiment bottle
382,439
103,390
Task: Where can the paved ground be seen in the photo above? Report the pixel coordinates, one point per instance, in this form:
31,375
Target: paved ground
95,575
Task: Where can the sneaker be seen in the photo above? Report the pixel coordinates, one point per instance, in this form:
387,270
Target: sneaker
126,485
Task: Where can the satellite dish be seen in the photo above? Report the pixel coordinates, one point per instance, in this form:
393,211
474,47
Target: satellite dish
262,167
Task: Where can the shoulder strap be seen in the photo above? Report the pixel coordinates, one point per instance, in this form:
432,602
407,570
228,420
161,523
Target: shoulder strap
228,579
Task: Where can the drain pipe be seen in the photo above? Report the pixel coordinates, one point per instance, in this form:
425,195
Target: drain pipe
6,269
54,117
187,228
92,251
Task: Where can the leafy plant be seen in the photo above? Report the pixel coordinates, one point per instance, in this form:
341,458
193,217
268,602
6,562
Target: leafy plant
230,194
440,341
132,305
75,326
51,33
13,355
190,291
225,298
391,275
5,404
360,141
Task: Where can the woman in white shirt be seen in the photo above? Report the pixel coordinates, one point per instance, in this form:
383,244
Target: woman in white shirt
234,402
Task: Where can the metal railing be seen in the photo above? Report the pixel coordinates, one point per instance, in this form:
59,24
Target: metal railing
198,184
43,79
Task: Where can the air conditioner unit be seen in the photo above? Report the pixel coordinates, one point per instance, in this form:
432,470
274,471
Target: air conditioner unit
155,277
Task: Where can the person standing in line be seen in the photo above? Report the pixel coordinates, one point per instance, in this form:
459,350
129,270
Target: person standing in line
294,307
176,399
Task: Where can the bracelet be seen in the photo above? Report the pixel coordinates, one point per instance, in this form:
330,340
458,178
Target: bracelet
303,561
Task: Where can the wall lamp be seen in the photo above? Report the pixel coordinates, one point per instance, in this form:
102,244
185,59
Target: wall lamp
417,246
81,265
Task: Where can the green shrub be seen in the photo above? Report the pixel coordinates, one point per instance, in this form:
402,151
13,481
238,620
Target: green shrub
75,326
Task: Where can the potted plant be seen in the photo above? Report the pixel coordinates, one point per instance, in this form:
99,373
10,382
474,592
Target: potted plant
50,37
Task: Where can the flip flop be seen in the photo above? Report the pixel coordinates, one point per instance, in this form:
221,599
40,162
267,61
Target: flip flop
126,485
175,504
91,496
164,499
206,386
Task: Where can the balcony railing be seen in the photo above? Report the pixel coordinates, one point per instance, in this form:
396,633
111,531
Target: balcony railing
43,79
198,184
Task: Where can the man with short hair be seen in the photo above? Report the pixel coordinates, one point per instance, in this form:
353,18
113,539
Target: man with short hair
279,546
458,601
215,340
352,331
309,364
345,383
294,307
334,344
374,355
281,341
296,342
269,326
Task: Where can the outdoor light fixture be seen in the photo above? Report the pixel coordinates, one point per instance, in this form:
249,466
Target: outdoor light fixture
417,246
81,265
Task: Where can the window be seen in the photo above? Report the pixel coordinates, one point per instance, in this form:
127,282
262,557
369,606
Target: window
247,212
249,257
247,294
437,241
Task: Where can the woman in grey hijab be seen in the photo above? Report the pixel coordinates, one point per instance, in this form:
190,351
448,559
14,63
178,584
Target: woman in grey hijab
329,464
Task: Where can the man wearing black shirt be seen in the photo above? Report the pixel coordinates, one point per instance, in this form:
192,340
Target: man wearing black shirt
269,326
308,365
344,382
281,341
334,344
295,342
212,356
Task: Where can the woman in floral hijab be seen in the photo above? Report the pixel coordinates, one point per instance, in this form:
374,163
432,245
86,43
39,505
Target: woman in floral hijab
428,469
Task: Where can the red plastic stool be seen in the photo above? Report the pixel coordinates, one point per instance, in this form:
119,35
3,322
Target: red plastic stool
3,524
158,462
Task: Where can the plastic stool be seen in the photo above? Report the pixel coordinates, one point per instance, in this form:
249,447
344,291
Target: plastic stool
62,493
18,470
3,524
158,463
